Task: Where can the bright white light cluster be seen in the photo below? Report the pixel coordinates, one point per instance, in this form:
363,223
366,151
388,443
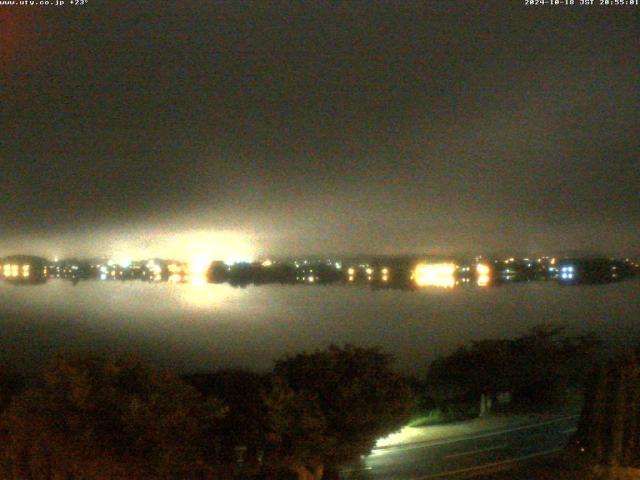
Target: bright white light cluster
567,273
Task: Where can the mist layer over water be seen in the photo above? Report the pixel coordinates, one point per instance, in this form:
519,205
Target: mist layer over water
202,327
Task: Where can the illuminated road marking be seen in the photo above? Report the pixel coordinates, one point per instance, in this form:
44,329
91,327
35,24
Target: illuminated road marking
472,452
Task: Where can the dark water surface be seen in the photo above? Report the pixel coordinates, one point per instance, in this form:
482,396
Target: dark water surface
201,327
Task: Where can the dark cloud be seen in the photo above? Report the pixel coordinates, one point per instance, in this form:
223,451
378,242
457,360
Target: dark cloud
395,126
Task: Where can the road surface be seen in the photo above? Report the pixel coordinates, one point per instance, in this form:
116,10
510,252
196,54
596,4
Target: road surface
464,455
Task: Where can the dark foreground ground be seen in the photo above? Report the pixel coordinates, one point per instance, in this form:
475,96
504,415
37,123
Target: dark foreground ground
557,469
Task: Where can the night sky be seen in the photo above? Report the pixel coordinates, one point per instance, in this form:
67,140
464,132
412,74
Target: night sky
250,128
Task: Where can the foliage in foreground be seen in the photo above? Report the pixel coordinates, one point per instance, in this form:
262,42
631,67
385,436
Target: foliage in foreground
10,385
536,367
331,406
105,420
93,419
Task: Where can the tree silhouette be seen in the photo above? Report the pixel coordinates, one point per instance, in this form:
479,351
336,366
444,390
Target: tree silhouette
609,429
331,406
94,419
535,367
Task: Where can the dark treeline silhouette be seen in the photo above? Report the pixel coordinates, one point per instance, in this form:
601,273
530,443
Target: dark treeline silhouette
537,368
398,272
242,274
87,417
241,435
317,273
594,270
11,383
96,419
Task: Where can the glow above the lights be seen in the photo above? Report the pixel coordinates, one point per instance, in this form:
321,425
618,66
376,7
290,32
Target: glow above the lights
174,240
199,265
239,259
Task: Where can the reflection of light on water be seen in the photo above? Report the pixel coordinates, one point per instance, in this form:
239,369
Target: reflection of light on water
198,270
483,274
132,300
435,275
175,323
175,278
200,294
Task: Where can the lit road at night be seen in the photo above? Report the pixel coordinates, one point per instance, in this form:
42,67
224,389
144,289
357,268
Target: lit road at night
467,454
